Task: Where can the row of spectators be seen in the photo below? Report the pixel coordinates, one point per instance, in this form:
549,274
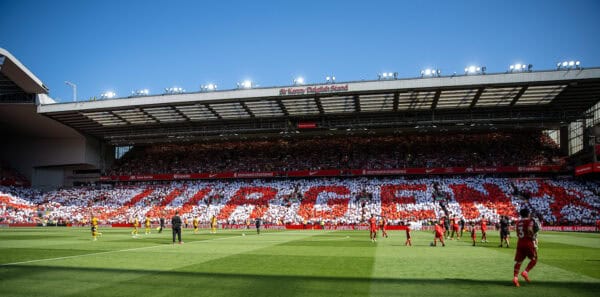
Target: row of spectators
382,152
296,201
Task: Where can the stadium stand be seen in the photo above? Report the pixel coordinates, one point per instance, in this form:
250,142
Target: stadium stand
382,152
10,177
409,149
292,201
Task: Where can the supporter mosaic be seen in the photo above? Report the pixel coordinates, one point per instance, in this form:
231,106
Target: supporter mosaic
295,201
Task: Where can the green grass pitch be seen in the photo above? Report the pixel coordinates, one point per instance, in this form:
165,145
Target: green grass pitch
66,262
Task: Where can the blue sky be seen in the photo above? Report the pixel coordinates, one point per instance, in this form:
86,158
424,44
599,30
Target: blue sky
127,45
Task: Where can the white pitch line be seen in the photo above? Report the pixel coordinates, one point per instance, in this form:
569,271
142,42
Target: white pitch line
134,249
108,252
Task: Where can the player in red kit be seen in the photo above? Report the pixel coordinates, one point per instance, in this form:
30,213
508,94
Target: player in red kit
408,242
445,222
454,226
383,226
439,234
473,230
526,232
373,228
483,229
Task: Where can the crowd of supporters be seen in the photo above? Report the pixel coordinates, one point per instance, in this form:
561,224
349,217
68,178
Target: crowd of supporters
298,201
353,152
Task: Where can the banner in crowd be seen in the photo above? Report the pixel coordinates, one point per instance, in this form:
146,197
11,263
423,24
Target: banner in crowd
23,225
328,227
339,172
587,168
280,227
570,228
338,227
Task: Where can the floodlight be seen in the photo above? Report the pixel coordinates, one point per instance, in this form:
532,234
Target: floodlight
520,67
475,69
299,81
430,72
140,92
247,84
566,65
387,75
174,90
208,87
108,95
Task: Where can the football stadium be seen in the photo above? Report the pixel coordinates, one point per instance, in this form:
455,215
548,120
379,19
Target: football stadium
280,189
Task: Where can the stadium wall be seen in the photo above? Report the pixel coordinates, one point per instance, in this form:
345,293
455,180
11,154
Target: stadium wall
47,161
42,149
25,154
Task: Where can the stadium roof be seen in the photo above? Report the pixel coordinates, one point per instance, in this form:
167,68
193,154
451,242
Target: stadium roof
549,98
20,89
17,83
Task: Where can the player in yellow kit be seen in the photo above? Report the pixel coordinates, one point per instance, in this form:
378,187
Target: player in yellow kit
213,224
147,223
195,223
95,232
136,224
